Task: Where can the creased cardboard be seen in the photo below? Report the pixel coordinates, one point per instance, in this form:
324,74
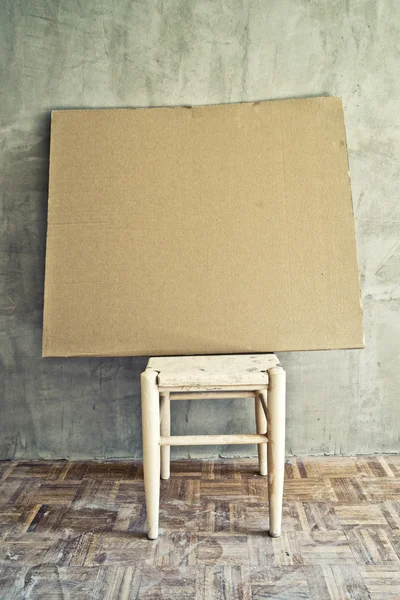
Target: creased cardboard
203,230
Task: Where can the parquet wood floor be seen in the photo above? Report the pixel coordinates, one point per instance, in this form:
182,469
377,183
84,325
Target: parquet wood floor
77,530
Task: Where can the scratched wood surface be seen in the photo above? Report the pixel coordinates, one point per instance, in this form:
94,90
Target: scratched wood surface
210,371
77,530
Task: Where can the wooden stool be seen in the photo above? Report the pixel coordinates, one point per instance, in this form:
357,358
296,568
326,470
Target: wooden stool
258,376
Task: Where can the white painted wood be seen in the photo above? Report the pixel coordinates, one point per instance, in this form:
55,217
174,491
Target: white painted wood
151,449
199,440
261,427
165,429
210,371
210,395
209,377
276,446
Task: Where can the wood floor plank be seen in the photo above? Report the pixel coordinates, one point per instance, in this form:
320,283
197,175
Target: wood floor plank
349,582
348,490
364,515
43,470
306,490
9,517
260,550
15,491
381,581
220,549
391,512
229,491
372,546
321,516
324,547
286,550
292,470
394,538
88,519
114,549
173,550
223,582
321,582
74,471
256,520
331,466
53,493
285,583
28,549
393,462
6,468
117,583
130,517
111,470
381,489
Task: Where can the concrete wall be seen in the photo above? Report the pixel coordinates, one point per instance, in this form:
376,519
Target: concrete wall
72,53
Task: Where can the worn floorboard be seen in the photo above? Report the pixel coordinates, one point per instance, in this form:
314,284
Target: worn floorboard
73,530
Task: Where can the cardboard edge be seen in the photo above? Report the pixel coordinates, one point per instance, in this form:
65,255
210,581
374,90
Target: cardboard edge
55,111
45,284
49,354
354,220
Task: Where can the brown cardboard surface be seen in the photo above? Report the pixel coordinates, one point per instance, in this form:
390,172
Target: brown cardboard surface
203,230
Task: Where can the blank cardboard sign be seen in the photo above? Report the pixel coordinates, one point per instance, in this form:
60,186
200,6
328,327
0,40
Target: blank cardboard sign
203,230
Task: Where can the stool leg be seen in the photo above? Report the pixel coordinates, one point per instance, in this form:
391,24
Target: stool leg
261,425
276,446
165,426
151,449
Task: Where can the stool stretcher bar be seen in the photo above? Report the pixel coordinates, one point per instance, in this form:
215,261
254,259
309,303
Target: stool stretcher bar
210,395
199,440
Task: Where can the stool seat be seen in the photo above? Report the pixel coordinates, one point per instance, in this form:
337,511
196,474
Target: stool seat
218,372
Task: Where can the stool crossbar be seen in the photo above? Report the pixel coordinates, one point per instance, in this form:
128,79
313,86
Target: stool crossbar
167,379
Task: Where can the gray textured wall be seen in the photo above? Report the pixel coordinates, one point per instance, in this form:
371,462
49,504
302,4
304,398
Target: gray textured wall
92,53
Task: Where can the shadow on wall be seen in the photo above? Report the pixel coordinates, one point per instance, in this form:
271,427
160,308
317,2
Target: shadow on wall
51,408
25,168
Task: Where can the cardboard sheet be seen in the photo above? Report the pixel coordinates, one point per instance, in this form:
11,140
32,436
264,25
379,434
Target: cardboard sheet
203,230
